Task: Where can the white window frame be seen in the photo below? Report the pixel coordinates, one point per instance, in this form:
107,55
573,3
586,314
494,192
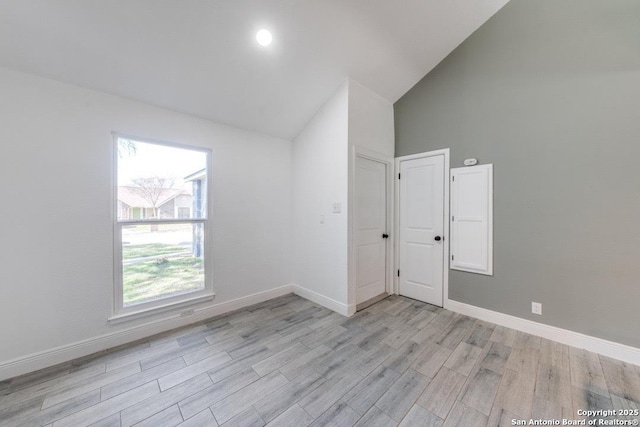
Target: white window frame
120,312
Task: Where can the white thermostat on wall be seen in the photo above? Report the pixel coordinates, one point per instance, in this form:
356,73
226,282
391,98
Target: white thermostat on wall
471,162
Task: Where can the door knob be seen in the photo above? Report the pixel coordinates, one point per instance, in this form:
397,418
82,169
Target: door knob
437,238
384,236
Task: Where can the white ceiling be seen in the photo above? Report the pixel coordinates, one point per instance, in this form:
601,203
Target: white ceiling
200,56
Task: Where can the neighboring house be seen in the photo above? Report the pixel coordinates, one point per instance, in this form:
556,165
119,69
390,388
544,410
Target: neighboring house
173,203
198,190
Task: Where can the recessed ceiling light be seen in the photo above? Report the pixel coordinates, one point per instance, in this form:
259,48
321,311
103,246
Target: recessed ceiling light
264,37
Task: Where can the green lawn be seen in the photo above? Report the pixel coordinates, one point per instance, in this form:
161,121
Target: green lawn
161,228
162,277
150,249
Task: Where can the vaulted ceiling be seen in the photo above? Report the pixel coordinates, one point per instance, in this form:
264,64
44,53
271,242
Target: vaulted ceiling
200,56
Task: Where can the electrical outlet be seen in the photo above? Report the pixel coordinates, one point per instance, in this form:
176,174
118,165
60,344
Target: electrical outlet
337,207
536,308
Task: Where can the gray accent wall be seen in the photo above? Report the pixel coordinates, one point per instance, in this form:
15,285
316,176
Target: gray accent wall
549,92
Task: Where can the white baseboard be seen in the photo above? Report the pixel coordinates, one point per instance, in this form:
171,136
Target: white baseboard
331,304
575,339
65,353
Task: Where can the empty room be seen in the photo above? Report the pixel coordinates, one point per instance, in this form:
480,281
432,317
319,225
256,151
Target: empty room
319,213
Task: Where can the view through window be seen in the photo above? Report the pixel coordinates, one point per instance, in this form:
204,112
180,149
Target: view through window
161,222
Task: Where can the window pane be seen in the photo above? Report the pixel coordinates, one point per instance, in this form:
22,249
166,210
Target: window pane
160,182
161,260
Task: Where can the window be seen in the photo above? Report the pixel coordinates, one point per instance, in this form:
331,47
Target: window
161,226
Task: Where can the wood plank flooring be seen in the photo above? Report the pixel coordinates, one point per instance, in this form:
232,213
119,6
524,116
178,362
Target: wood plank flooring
289,362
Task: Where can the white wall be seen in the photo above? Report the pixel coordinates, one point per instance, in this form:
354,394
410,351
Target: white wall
322,163
320,179
370,120
371,131
56,275
268,196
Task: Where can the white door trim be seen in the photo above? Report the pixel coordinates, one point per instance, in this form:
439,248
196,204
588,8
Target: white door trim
396,216
366,153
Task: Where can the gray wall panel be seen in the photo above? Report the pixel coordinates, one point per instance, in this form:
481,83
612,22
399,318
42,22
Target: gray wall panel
549,92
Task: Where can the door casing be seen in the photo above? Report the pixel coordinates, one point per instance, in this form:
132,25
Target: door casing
396,233
364,240
357,151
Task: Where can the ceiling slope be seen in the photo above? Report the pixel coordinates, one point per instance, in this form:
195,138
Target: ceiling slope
200,56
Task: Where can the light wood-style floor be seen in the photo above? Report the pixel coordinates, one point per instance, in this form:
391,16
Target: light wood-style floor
289,362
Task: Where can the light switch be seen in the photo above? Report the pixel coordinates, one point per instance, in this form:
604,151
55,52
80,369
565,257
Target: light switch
321,219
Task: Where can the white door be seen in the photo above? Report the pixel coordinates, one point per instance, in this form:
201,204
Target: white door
421,211
370,228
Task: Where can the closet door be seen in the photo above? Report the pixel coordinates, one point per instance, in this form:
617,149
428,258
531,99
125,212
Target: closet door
421,249
472,219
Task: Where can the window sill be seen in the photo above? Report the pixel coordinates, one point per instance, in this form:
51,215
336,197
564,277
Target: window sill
125,317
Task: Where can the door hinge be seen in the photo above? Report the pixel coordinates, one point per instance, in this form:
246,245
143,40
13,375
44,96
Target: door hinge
453,178
452,257
453,218
398,273
398,176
